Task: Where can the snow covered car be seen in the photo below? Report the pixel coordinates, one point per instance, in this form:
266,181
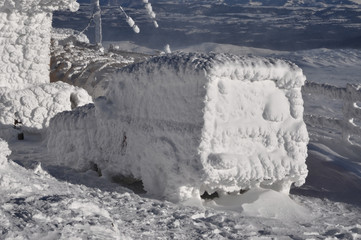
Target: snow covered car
186,124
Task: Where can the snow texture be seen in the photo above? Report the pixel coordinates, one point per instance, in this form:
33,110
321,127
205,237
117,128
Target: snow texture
189,123
35,106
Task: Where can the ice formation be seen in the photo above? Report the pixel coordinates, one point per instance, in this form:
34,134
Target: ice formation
25,29
190,123
148,7
4,152
25,90
36,105
130,21
98,21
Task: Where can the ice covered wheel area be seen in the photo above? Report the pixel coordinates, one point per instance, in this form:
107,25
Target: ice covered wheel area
186,124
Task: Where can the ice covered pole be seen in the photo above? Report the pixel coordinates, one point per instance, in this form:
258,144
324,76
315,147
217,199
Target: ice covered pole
97,20
130,21
151,13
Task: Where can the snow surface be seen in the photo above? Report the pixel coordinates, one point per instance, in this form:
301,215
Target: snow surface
190,123
51,202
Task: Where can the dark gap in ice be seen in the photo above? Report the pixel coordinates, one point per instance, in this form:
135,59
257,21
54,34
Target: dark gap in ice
136,185
242,191
94,167
206,195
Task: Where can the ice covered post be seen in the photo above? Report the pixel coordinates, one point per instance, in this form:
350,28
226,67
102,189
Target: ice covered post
97,20
25,28
25,90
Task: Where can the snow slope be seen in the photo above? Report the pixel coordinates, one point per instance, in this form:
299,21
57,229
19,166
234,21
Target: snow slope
190,123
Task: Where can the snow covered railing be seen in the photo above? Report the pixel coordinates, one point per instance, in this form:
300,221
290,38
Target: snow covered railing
350,95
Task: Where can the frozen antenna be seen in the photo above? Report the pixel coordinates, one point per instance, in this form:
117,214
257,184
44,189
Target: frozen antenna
130,21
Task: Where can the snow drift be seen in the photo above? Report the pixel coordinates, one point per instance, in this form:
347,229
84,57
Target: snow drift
190,123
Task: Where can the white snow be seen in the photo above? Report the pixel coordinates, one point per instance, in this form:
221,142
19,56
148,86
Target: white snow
190,123
167,49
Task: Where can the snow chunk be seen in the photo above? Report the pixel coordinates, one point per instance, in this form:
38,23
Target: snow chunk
189,123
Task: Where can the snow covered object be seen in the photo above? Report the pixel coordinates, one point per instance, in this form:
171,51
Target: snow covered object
4,153
25,30
189,123
35,106
26,94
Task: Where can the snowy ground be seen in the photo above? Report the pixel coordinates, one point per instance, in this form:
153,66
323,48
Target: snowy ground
46,202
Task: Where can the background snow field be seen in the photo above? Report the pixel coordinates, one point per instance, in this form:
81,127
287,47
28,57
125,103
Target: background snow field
189,123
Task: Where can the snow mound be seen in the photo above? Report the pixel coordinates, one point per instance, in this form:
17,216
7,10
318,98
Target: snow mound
36,105
189,123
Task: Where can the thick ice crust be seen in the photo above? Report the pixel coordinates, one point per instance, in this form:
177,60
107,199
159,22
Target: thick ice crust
187,123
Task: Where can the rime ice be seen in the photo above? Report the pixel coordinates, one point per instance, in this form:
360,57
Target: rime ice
25,89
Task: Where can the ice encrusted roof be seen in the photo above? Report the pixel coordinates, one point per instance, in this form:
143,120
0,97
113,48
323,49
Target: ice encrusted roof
34,6
286,74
